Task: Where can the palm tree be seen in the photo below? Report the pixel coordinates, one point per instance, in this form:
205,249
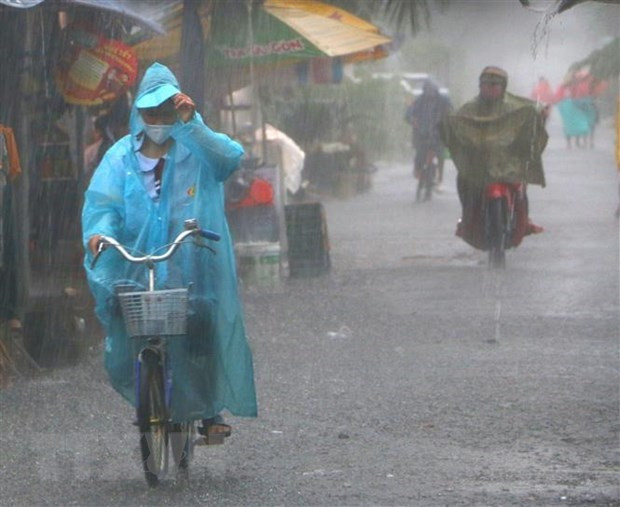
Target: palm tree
399,13
413,12
604,63
563,5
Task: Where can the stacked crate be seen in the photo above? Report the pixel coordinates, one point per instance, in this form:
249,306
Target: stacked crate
308,244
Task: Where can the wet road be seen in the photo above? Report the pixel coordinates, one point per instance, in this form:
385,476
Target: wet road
412,375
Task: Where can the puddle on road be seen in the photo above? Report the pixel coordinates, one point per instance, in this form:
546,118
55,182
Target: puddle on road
493,281
461,259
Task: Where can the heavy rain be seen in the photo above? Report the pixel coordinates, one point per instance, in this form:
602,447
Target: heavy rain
378,246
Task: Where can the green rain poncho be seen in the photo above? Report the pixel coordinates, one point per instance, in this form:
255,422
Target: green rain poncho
212,365
503,143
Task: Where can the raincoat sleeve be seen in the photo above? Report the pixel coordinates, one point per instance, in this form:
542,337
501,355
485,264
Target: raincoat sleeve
103,201
103,213
213,149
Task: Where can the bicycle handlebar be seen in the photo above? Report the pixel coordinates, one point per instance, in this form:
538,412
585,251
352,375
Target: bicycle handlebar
209,234
191,229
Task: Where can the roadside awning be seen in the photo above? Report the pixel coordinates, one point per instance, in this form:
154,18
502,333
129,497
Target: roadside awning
23,4
167,46
285,31
290,31
132,10
334,31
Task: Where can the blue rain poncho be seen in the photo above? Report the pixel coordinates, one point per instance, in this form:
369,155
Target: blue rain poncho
212,365
579,116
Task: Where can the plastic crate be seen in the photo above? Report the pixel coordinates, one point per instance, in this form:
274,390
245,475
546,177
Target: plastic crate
308,244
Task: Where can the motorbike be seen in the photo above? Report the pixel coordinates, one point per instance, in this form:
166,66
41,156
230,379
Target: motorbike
498,221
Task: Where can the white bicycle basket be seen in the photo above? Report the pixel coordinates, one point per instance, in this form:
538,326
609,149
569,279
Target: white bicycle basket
157,313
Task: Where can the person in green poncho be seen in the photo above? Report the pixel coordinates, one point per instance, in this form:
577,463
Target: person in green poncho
496,137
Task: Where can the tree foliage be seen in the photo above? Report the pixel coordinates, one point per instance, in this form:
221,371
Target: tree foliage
603,63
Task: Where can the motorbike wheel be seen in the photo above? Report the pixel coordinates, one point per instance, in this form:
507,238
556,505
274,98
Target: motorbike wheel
496,232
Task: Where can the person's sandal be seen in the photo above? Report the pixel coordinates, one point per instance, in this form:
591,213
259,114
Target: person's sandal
214,430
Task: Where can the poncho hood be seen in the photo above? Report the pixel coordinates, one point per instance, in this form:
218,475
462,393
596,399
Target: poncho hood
157,85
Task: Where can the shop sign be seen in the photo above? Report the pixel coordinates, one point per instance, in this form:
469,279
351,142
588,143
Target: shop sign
271,48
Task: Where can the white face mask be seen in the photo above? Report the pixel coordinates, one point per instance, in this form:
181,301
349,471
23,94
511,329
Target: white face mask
159,134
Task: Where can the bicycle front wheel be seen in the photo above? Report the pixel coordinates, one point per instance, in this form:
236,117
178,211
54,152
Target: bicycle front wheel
496,226
429,180
152,418
182,444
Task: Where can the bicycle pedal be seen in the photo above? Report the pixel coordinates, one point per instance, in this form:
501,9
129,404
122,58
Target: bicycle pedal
213,439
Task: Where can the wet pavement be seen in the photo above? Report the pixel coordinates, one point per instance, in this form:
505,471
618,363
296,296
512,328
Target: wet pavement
411,375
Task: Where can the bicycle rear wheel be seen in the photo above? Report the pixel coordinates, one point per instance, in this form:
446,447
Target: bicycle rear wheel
152,418
429,176
426,182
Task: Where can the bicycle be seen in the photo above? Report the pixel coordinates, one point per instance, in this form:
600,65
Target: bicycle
426,177
154,316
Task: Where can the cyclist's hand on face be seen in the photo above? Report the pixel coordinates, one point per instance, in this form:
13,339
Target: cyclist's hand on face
93,243
185,107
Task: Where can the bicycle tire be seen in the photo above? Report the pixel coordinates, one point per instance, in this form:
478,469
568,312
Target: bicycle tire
426,182
496,231
182,445
152,418
429,174
418,192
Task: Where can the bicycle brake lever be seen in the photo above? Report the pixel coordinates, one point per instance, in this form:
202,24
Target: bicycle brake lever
101,246
95,259
201,245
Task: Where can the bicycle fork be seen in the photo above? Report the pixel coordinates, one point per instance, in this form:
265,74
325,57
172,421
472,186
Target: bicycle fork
160,360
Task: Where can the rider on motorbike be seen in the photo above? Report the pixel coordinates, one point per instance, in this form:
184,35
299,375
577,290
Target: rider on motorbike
496,137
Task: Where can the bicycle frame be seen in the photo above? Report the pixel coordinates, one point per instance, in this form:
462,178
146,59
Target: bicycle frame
426,180
158,346
142,313
191,229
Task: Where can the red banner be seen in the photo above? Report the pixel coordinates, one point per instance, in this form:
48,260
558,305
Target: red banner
95,69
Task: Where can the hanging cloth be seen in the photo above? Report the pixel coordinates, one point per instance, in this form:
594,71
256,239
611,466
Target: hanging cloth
14,167
3,179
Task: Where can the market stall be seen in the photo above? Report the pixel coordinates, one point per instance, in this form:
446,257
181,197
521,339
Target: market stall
284,43
70,62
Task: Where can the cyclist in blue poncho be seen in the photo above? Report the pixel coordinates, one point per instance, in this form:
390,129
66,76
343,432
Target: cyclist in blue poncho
171,167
